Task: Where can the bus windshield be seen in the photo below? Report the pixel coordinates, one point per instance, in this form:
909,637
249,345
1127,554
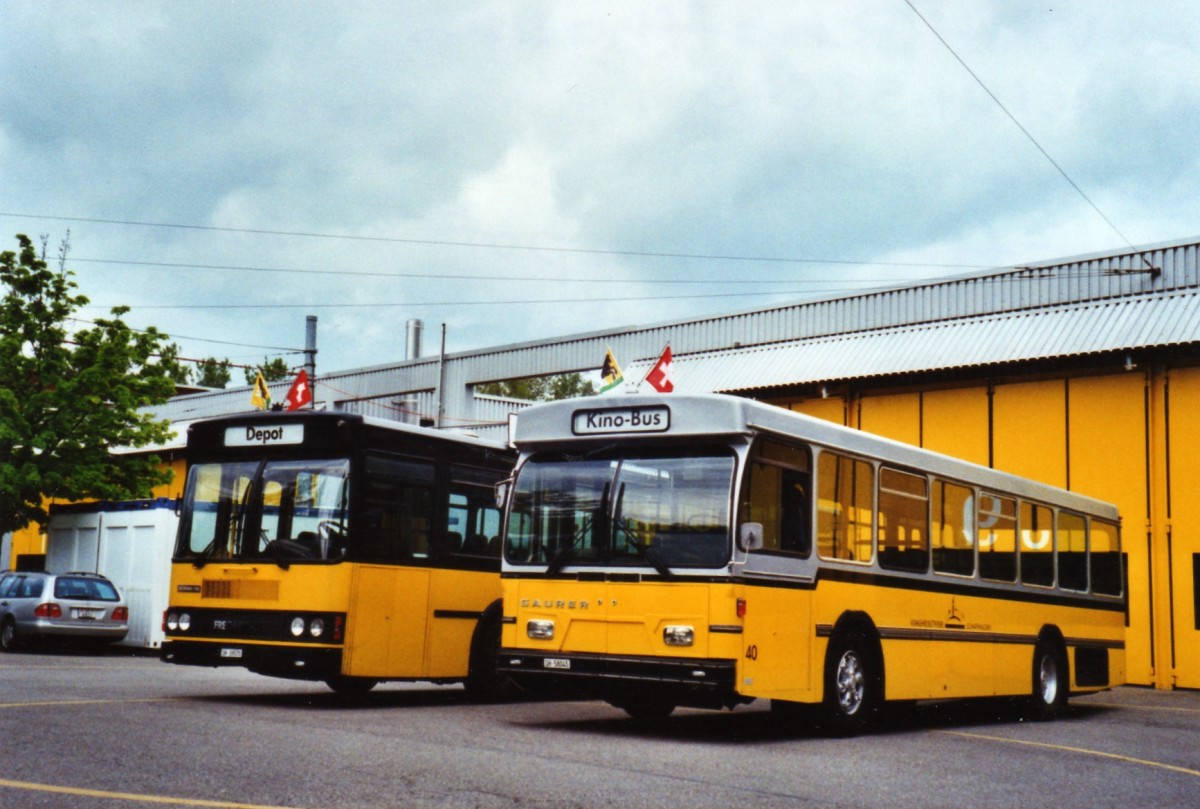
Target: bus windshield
660,510
285,511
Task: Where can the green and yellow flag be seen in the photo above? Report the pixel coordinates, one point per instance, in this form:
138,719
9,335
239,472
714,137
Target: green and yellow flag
610,373
260,397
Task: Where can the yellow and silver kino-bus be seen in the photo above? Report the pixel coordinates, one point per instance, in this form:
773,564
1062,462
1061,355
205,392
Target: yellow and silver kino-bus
338,548
707,550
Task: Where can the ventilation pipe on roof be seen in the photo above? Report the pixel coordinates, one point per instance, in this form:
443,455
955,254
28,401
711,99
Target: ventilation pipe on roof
412,339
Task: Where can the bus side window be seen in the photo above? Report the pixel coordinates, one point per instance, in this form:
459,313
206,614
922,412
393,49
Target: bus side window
903,521
1072,551
1037,545
953,529
777,497
997,537
473,516
1105,558
845,508
472,511
398,510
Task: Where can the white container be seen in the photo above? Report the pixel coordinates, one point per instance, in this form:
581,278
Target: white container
129,542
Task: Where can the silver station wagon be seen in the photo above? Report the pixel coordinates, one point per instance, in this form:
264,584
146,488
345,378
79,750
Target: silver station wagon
84,607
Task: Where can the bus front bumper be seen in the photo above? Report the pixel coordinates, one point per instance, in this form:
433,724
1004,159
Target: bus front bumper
698,682
292,662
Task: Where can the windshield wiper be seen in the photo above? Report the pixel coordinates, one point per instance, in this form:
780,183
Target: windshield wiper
645,551
566,552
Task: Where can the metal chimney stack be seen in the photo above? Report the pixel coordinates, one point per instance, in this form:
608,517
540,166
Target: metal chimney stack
412,336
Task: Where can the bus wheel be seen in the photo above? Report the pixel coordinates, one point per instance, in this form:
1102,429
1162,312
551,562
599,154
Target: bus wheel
850,685
351,686
646,710
484,681
1048,698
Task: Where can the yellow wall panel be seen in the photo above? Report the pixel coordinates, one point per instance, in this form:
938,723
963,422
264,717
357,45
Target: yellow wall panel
897,416
1184,446
831,409
1029,430
1108,461
1108,441
956,423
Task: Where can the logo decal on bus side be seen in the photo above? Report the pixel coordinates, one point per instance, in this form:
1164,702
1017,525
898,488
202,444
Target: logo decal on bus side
649,419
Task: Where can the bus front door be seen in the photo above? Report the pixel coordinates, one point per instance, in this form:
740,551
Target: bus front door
778,636
386,628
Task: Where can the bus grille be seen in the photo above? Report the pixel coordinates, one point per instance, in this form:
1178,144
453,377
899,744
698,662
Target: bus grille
247,590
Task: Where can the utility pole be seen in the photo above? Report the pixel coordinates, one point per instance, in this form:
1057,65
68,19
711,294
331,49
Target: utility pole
310,357
441,392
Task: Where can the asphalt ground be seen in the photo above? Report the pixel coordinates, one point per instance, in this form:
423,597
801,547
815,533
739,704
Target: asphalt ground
116,730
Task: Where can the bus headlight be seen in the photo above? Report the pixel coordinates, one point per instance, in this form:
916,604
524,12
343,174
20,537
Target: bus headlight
172,622
185,622
540,630
316,628
297,627
679,635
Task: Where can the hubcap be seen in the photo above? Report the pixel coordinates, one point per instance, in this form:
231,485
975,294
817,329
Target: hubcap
851,683
1048,679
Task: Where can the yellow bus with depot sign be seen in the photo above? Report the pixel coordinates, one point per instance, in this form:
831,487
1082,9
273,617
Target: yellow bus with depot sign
707,551
338,548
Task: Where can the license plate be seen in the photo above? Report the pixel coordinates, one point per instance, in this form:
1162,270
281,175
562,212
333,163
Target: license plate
234,653
85,615
556,663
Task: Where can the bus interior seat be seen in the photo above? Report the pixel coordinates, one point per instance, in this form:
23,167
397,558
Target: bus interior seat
450,542
475,545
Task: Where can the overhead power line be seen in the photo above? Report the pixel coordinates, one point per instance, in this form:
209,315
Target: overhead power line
198,339
479,245
529,278
1018,124
413,304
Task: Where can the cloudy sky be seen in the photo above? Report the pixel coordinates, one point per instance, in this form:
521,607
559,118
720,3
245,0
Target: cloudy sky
518,171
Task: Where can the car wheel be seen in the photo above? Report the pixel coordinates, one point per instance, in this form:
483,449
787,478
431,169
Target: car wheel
9,641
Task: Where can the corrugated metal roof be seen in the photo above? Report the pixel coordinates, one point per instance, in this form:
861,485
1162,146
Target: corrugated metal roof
1138,297
1123,324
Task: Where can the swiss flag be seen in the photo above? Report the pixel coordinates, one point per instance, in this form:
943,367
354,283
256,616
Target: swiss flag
301,393
660,375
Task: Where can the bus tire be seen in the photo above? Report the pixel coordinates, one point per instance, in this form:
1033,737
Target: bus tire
484,682
793,717
351,686
851,683
647,710
1051,682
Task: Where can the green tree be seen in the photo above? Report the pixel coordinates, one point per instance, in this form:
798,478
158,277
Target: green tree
541,388
180,374
275,370
213,373
67,399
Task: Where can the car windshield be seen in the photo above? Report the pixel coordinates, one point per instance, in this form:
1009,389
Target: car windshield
284,511
75,588
662,510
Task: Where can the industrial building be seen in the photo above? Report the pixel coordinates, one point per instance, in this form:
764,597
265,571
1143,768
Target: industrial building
1081,372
